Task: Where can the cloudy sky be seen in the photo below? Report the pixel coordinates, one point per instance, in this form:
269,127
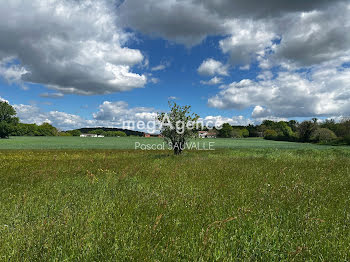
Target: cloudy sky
76,63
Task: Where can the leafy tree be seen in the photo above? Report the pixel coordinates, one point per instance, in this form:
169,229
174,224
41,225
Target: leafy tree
254,131
64,134
177,126
46,129
293,125
114,133
75,132
239,132
226,130
97,132
8,119
244,132
306,130
120,133
285,129
270,134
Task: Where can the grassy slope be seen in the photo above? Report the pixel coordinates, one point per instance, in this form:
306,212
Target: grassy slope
250,204
129,143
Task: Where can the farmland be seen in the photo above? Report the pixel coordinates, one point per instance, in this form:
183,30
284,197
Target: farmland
129,143
247,200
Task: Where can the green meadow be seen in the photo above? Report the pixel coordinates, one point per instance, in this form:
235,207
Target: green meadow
249,200
55,142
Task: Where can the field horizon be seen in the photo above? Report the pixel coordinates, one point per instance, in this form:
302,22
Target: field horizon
129,143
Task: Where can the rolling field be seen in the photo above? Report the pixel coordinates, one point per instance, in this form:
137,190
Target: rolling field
251,202
129,143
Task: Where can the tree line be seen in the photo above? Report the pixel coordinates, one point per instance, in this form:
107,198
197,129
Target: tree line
324,132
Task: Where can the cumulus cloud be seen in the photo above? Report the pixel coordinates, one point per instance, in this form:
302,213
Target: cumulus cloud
109,114
219,120
185,22
33,114
214,81
323,92
247,40
211,67
301,32
315,37
257,9
78,48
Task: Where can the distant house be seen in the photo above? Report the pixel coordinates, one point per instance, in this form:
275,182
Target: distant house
152,135
91,135
206,134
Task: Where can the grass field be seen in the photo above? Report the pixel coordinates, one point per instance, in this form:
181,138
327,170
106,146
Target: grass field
129,143
251,202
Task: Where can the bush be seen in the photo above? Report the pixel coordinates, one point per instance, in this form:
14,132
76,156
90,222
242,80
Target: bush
323,135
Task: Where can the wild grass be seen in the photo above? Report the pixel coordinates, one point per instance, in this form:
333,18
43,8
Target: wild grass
119,205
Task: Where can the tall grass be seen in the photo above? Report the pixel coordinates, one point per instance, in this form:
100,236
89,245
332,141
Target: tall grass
249,204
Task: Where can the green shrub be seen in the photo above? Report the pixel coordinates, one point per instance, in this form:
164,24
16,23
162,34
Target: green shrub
323,135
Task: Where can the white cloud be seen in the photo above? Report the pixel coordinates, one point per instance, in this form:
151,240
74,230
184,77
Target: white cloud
248,40
323,92
211,67
119,114
158,68
185,22
172,98
219,120
154,80
3,100
310,32
214,81
70,46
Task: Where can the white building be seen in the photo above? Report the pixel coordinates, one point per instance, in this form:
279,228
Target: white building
91,135
206,134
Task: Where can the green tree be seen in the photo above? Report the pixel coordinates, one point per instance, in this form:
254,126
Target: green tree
75,132
306,130
285,129
46,129
226,130
8,119
244,132
97,132
177,126
270,134
120,133
293,125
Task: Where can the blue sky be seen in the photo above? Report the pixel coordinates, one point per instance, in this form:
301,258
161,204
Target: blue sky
94,63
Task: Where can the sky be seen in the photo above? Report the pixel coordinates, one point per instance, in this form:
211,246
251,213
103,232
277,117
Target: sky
75,63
